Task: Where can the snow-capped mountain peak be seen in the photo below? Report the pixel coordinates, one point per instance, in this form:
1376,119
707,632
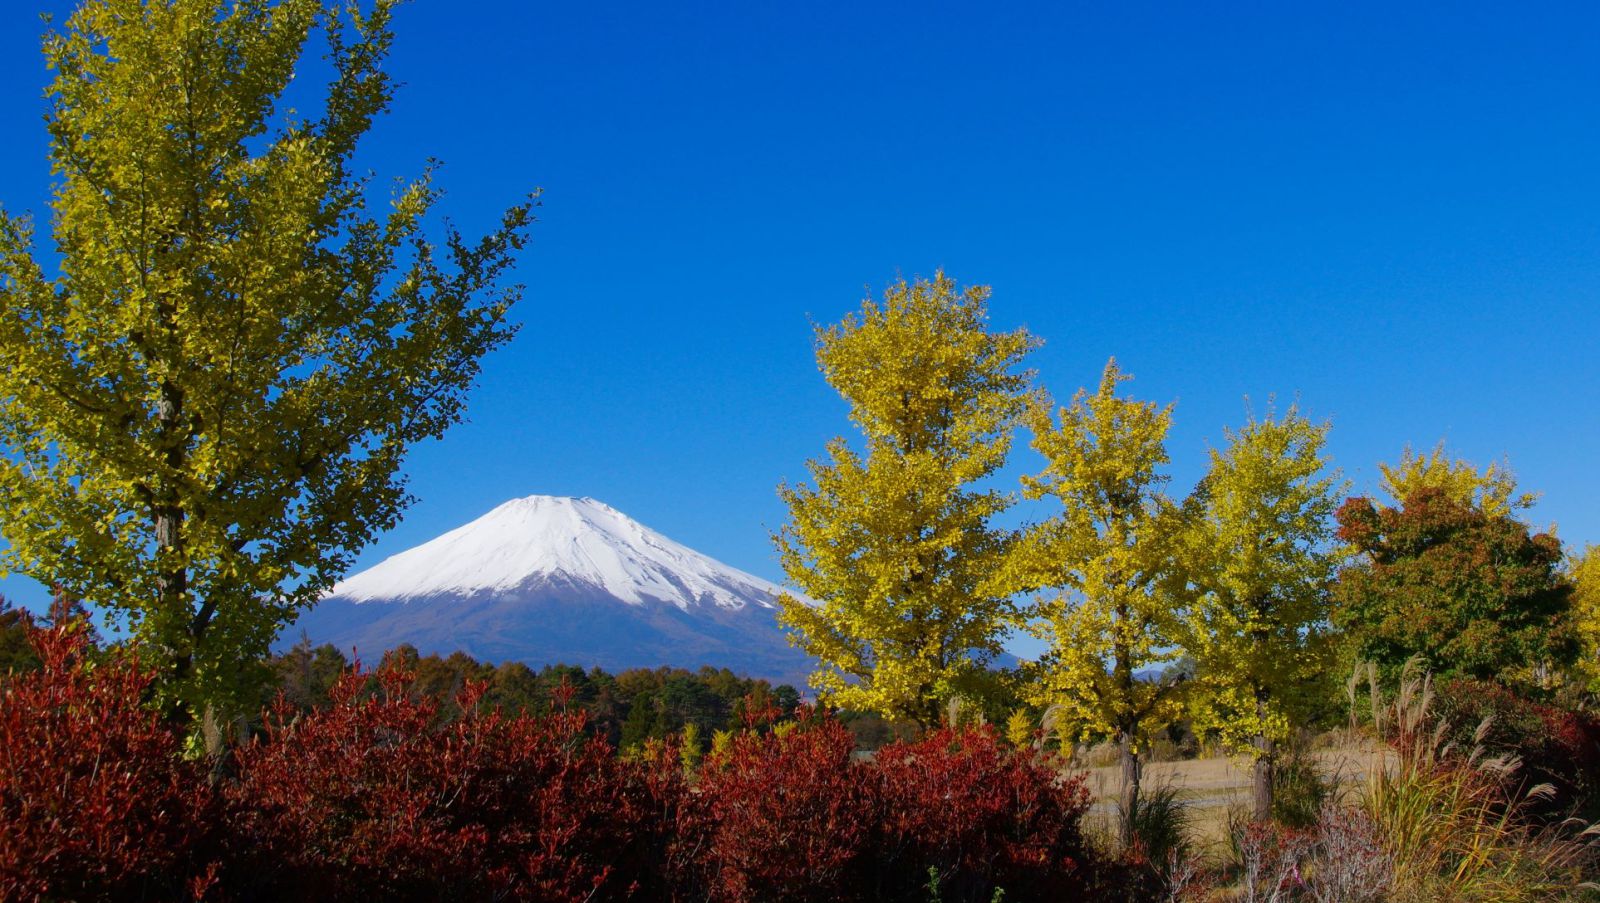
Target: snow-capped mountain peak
550,540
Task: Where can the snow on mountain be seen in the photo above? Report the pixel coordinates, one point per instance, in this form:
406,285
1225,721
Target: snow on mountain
550,537
547,580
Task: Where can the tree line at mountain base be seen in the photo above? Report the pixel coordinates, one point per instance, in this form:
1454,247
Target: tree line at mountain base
627,708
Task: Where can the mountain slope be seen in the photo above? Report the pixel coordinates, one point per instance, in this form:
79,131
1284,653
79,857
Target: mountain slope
547,579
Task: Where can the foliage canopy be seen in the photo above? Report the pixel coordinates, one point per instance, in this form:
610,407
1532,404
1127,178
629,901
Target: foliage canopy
205,409
1103,561
895,547
1493,489
1475,594
1585,576
1259,560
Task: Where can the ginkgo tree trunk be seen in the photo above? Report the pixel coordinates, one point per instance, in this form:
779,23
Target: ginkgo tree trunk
895,548
204,407
1101,566
1258,559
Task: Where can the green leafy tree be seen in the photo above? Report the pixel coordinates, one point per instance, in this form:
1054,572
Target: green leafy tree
896,547
16,649
204,409
642,722
514,687
1475,593
1105,563
1258,560
305,674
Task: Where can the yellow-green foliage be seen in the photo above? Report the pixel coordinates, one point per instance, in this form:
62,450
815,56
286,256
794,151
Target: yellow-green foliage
1101,562
895,546
1256,559
204,411
1586,614
690,749
1020,732
1493,489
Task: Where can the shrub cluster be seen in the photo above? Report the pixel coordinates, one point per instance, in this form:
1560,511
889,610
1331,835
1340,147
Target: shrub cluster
1339,858
1459,823
387,794
95,800
1554,746
373,798
787,816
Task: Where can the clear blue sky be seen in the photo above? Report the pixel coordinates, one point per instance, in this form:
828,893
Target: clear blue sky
1391,211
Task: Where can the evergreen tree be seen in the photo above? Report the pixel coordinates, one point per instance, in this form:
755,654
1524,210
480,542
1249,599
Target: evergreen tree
16,650
305,674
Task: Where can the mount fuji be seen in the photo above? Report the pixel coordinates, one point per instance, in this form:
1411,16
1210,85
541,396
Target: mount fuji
546,580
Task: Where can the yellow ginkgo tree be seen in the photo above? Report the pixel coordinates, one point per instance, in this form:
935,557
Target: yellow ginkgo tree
1100,566
1493,490
1585,575
1257,559
894,544
208,383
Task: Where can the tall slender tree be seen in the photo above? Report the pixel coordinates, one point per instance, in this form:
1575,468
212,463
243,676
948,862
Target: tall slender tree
1104,561
204,410
895,548
1257,561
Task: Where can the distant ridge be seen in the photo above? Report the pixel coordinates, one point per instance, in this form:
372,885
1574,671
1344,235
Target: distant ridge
549,579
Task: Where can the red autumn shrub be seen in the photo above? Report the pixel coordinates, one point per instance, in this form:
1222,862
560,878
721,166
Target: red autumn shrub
1577,735
979,815
1559,747
786,816
374,798
672,840
95,801
792,816
385,796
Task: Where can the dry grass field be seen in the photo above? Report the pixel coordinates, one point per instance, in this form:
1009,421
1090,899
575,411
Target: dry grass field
1212,787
